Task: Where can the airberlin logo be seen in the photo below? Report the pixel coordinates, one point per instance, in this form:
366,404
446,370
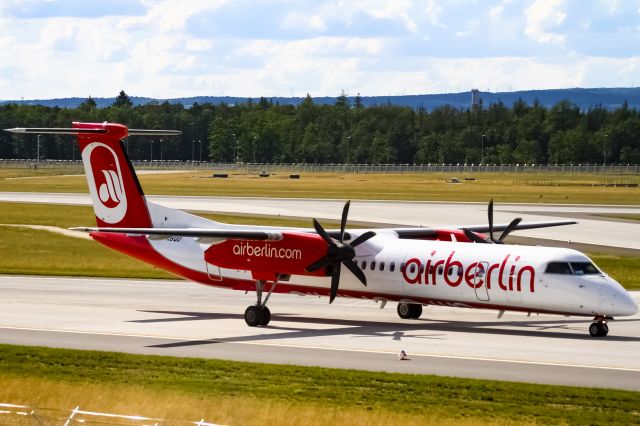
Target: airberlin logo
266,251
105,182
509,274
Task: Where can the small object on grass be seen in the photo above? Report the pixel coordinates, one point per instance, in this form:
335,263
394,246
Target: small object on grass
294,176
220,175
264,174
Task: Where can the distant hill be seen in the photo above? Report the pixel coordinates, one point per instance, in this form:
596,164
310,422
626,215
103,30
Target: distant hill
609,98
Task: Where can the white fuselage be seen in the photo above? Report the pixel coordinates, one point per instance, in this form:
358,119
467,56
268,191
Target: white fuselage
489,276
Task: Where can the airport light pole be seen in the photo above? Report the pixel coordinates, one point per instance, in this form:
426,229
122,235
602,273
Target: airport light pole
151,150
193,150
482,150
200,149
348,140
604,151
160,149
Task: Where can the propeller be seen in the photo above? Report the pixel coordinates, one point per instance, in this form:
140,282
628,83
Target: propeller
491,240
339,253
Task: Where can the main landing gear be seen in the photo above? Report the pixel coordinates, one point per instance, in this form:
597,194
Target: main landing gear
599,327
259,314
409,310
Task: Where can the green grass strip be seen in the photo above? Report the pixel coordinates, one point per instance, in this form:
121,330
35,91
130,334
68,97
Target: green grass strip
403,393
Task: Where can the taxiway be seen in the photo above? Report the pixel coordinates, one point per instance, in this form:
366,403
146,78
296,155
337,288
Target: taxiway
184,319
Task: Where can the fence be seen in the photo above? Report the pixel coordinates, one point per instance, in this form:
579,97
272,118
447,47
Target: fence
595,169
13,414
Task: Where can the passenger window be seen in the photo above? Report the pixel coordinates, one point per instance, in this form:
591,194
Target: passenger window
373,265
584,268
412,269
392,266
421,269
382,266
440,270
558,268
364,264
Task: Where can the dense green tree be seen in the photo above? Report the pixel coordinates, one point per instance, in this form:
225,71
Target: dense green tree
264,131
123,100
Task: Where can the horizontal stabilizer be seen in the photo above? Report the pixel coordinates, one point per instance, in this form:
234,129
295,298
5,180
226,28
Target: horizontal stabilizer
76,131
191,232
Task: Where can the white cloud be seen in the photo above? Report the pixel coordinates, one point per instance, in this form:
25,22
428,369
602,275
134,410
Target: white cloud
542,16
374,47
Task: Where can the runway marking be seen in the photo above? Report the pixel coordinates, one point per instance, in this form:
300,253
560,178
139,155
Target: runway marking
422,355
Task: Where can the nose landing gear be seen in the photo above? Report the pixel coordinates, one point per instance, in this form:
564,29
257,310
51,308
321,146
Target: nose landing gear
599,327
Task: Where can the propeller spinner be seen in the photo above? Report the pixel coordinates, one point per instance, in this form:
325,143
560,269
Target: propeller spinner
339,253
491,240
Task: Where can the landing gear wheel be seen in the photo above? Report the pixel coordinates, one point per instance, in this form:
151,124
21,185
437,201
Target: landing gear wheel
409,310
416,311
266,316
252,316
404,310
598,329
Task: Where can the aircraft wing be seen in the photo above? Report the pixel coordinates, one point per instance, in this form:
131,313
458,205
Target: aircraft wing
255,233
431,232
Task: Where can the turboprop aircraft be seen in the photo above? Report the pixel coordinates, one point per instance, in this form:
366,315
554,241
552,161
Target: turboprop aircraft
414,267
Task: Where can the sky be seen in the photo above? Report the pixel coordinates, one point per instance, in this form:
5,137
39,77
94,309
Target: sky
181,48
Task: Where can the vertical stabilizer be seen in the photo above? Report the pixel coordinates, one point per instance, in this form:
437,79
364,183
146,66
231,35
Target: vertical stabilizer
118,200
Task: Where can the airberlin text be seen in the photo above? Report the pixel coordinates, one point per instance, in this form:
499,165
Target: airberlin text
509,275
266,251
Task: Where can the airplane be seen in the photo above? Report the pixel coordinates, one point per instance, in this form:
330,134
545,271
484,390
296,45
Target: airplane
412,266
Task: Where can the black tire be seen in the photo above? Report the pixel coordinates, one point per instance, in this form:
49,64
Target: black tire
598,329
252,316
404,310
416,311
266,316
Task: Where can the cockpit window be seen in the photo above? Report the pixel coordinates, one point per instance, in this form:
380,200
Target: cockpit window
558,268
584,268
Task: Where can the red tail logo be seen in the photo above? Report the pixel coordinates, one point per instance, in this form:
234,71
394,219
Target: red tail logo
106,183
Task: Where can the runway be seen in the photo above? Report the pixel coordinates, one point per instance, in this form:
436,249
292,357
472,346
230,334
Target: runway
591,229
185,319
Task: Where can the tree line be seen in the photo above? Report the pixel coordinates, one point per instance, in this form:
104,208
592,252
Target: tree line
261,131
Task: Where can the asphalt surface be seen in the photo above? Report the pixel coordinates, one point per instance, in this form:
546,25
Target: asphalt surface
591,229
185,319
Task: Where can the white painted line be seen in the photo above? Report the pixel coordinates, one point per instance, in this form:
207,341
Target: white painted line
422,355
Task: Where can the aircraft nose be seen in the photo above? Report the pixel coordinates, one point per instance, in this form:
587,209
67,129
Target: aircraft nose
625,305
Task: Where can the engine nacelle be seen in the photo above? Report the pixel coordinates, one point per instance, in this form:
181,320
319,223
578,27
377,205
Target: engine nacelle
268,259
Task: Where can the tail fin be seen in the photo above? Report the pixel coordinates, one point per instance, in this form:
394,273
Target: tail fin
118,200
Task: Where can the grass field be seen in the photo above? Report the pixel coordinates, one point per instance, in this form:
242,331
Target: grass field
62,255
261,394
428,187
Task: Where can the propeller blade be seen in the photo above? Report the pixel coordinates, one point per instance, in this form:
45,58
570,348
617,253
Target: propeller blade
320,230
335,281
514,223
351,265
362,238
343,222
490,214
472,236
320,263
